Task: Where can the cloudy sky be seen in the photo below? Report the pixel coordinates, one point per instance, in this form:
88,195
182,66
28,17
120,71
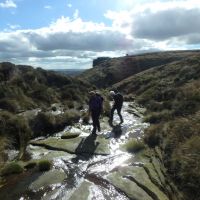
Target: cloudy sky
71,33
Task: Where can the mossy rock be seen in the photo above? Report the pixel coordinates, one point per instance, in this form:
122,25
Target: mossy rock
12,168
69,135
44,165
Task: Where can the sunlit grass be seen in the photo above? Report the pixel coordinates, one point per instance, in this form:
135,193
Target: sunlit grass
134,146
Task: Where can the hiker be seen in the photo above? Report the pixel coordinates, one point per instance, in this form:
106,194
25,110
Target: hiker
117,105
102,99
95,109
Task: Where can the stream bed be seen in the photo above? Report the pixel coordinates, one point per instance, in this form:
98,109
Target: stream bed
90,167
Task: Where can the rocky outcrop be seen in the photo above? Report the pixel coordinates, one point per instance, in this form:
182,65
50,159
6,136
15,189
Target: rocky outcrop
100,61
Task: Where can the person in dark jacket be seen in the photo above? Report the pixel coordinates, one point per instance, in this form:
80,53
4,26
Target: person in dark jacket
95,109
117,105
101,98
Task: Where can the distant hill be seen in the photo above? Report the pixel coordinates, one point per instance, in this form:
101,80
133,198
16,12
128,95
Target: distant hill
107,71
69,72
23,87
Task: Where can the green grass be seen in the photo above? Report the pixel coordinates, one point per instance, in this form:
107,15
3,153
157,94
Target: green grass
106,107
44,165
11,168
186,161
151,136
85,118
156,117
30,165
134,146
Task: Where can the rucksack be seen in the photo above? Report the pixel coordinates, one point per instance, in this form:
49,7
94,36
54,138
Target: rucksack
119,98
96,102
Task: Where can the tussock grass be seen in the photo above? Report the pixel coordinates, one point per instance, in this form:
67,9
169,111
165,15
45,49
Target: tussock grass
171,94
156,117
44,165
106,107
12,168
16,129
186,161
134,146
30,165
85,118
47,123
152,137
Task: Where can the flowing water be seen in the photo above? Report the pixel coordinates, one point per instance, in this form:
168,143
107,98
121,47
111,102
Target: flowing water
87,167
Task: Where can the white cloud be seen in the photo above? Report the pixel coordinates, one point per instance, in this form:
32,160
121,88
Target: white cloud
70,42
76,14
69,5
77,35
160,21
48,7
8,4
121,21
61,41
166,24
13,26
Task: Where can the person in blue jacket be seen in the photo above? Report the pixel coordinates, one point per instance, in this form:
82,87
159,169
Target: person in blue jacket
95,109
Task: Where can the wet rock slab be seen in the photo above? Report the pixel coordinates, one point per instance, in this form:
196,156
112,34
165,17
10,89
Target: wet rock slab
132,188
47,179
69,135
81,170
136,182
82,192
91,145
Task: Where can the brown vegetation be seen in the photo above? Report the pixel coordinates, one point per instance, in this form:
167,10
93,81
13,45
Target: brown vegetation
171,94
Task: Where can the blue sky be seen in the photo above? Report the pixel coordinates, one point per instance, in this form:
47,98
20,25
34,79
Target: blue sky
70,34
39,13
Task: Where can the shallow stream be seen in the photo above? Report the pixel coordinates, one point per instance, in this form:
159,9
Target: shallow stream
89,167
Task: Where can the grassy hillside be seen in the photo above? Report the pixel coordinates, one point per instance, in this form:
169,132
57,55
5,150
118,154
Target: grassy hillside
171,94
106,72
24,88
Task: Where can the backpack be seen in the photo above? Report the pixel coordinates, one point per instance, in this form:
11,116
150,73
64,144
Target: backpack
119,99
96,102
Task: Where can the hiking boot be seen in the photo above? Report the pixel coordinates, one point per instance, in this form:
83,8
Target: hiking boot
94,131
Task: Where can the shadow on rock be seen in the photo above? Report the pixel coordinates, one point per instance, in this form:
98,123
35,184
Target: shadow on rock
86,148
117,131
